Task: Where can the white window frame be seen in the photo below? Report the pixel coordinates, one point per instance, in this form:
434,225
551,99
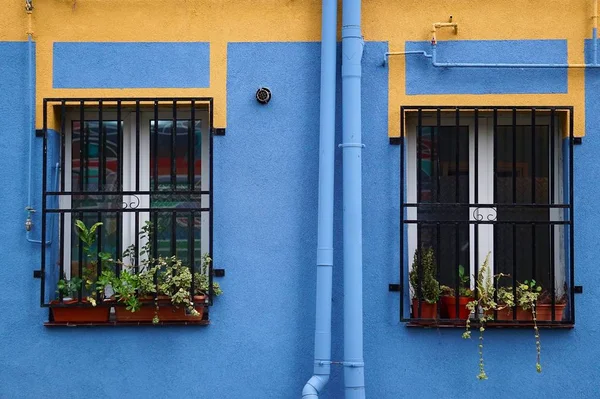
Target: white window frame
128,117
486,178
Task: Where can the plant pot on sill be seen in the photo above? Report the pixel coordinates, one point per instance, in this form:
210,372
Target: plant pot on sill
506,314
449,307
543,311
166,311
77,314
428,310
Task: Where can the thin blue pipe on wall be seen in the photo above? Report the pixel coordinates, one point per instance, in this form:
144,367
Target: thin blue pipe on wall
352,50
322,357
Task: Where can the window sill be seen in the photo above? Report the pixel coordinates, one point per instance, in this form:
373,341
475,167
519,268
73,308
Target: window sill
492,324
127,323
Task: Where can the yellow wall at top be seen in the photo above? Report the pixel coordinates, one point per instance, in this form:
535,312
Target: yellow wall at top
222,21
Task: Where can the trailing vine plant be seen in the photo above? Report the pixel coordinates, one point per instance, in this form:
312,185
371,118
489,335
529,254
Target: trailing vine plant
482,307
527,295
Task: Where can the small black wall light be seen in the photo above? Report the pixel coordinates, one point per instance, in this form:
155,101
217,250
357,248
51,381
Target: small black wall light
263,95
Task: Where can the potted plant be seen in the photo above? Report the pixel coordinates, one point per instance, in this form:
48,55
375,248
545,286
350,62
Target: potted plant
69,289
465,295
544,306
482,306
426,289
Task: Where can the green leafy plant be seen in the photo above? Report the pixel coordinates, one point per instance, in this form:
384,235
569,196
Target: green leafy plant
482,307
463,286
422,276
527,296
175,281
201,281
69,288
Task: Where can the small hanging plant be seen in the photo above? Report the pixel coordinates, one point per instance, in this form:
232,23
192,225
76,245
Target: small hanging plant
483,308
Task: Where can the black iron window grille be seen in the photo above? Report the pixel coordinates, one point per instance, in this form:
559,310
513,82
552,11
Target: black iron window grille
143,169
491,183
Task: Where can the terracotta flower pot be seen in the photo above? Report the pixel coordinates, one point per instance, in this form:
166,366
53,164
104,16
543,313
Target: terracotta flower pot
506,314
76,314
166,311
543,311
449,303
428,310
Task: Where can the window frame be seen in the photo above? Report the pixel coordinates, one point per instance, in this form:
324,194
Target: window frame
130,111
560,121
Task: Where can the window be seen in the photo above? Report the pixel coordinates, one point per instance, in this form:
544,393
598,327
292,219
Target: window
489,181
127,163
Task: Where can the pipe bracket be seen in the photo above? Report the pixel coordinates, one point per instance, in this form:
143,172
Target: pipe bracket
345,364
359,145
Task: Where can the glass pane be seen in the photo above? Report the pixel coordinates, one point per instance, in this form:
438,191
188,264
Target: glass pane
444,178
176,167
522,177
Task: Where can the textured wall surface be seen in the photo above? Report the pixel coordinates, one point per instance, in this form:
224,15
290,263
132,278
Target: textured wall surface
424,78
130,65
260,342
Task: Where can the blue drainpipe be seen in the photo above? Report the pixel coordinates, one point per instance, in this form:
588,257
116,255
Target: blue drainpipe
325,213
352,50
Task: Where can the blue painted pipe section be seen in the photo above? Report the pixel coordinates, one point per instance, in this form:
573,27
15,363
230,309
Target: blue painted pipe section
595,45
352,50
31,131
435,63
325,213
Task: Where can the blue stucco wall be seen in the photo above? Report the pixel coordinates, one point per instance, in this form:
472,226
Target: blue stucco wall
260,342
130,65
423,78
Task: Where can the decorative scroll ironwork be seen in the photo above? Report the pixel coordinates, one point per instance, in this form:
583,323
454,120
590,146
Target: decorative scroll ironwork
132,204
489,214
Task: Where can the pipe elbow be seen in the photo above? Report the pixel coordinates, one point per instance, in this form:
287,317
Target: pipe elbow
314,386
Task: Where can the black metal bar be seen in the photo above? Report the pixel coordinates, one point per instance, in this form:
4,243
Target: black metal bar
533,153
44,187
476,200
192,148
571,217
120,150
551,200
155,148
419,155
63,132
143,99
143,192
495,165
493,222
191,260
419,271
101,149
174,148
476,155
63,154
438,252
210,205
443,205
173,233
137,150
401,225
81,144
126,210
457,158
435,151
514,262
456,270
514,156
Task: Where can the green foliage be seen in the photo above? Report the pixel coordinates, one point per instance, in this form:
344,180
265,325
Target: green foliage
69,288
422,276
163,276
482,308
